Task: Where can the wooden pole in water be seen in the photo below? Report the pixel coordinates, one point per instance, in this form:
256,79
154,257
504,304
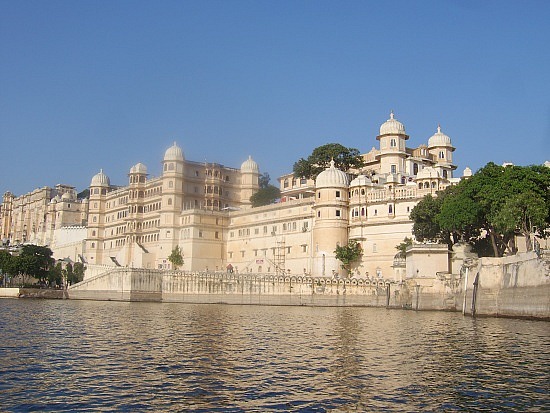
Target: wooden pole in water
465,289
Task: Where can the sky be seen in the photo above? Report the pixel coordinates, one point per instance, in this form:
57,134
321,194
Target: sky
89,85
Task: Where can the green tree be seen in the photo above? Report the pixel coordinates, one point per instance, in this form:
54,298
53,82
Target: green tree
6,266
344,159
488,208
176,257
267,194
523,212
78,272
348,254
402,247
55,275
35,260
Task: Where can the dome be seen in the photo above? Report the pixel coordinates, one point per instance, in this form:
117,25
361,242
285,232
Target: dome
100,179
173,153
467,172
392,127
439,139
66,197
427,173
331,177
361,180
53,201
138,168
250,166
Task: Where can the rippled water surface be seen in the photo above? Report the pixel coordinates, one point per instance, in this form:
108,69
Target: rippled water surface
111,356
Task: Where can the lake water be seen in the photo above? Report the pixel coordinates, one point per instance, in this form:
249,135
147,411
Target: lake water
62,355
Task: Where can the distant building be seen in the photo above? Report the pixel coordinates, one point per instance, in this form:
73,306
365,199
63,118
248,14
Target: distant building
204,208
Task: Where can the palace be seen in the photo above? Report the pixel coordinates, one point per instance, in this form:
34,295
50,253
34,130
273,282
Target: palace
205,209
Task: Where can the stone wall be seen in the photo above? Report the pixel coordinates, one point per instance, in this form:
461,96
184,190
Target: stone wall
517,286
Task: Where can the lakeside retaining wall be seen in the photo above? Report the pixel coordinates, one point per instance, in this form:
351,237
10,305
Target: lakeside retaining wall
517,286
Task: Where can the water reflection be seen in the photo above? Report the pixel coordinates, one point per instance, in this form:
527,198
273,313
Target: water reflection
110,356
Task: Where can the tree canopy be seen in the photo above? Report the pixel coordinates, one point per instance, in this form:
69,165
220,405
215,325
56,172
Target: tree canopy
493,205
344,159
267,194
348,254
176,257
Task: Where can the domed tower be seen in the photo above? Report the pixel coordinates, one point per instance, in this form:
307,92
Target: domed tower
172,179
392,147
173,166
441,149
99,187
250,174
330,227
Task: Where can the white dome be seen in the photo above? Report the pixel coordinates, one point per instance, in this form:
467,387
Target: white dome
467,172
173,153
439,139
361,180
66,197
100,179
392,127
138,168
250,166
331,177
427,173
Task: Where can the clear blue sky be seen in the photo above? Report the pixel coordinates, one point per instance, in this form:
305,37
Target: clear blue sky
86,85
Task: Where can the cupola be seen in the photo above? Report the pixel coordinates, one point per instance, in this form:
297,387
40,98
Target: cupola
331,178
100,179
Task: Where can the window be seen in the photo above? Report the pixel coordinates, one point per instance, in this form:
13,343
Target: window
393,169
445,173
373,247
338,212
217,235
415,169
392,143
285,183
337,194
319,194
390,209
441,155
318,214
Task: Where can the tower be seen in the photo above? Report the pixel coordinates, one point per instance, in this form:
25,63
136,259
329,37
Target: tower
441,150
99,187
250,174
173,165
330,227
392,147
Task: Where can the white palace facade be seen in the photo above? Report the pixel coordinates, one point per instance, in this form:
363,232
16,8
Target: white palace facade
205,209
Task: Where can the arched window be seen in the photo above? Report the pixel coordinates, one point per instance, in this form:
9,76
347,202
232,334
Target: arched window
393,143
441,155
415,169
426,184
170,166
169,201
445,173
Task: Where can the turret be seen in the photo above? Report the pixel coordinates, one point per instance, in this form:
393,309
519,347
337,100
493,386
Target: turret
330,227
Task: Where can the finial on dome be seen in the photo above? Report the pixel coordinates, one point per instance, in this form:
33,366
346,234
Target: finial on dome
332,162
391,114
438,128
